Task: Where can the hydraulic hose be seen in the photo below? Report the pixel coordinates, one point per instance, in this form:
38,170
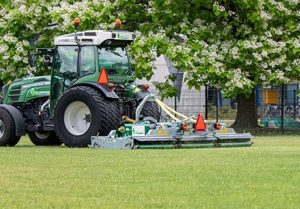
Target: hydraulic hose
169,111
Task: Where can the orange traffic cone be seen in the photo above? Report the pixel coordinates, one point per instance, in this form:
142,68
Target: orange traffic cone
103,78
200,125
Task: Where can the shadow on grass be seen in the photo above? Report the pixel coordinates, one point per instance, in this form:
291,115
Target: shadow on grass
30,146
262,131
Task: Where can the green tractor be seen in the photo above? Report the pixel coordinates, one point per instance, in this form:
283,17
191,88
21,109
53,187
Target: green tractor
91,86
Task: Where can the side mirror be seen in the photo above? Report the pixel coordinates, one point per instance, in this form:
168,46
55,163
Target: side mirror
47,54
48,60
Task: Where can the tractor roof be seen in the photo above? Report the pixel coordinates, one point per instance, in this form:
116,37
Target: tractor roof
97,37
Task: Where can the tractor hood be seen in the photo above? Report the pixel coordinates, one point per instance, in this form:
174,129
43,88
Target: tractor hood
26,89
32,81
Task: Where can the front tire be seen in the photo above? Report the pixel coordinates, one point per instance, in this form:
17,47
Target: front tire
82,112
44,138
8,135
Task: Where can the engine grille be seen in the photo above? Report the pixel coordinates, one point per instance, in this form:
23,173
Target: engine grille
14,93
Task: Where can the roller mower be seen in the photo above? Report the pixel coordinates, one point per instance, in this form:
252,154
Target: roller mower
90,87
179,132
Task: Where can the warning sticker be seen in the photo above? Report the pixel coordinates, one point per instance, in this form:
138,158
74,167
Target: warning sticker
138,130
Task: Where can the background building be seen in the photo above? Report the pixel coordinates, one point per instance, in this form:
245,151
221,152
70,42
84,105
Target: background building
189,101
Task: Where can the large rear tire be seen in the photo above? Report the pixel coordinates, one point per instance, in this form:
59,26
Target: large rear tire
8,135
44,138
151,109
82,112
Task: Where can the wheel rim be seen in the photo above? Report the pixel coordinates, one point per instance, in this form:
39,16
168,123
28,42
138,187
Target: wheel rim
42,135
1,128
77,118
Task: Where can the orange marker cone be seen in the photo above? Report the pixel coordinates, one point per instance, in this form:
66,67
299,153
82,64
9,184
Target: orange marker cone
200,125
103,78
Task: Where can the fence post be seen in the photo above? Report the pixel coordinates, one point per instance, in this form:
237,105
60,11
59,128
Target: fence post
217,105
206,102
175,102
282,108
295,98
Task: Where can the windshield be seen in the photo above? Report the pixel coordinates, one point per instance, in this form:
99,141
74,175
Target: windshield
66,58
115,60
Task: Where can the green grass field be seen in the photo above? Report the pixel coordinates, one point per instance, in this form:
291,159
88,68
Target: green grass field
267,175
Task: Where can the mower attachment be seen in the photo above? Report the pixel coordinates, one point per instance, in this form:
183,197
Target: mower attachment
144,135
183,132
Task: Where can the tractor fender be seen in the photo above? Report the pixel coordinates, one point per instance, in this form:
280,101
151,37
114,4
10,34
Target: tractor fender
106,92
141,94
17,117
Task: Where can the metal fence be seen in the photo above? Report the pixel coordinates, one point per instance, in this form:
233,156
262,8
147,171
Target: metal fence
276,106
279,107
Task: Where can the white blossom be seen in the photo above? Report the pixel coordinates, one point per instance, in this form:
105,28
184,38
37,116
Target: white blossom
268,34
22,9
6,57
257,56
219,7
264,53
248,62
266,15
17,58
25,43
9,38
264,65
3,49
288,68
234,52
296,43
293,2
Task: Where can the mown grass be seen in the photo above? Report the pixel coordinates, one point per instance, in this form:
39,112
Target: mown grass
267,175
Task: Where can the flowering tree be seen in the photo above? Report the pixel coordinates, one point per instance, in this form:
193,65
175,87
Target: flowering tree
24,26
233,45
21,24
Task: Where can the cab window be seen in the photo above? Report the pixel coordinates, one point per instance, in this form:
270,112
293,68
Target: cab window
115,60
88,61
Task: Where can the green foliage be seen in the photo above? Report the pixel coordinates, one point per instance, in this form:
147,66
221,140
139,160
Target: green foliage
166,89
233,45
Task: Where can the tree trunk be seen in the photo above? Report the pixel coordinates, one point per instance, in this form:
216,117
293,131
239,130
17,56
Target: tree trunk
246,113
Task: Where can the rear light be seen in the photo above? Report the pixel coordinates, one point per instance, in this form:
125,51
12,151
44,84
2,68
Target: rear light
111,86
118,23
217,126
184,127
76,22
103,77
146,87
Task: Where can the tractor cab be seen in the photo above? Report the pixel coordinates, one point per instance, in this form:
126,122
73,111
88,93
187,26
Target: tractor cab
80,58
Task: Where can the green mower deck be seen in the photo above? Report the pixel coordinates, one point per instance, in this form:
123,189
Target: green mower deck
177,133
169,136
